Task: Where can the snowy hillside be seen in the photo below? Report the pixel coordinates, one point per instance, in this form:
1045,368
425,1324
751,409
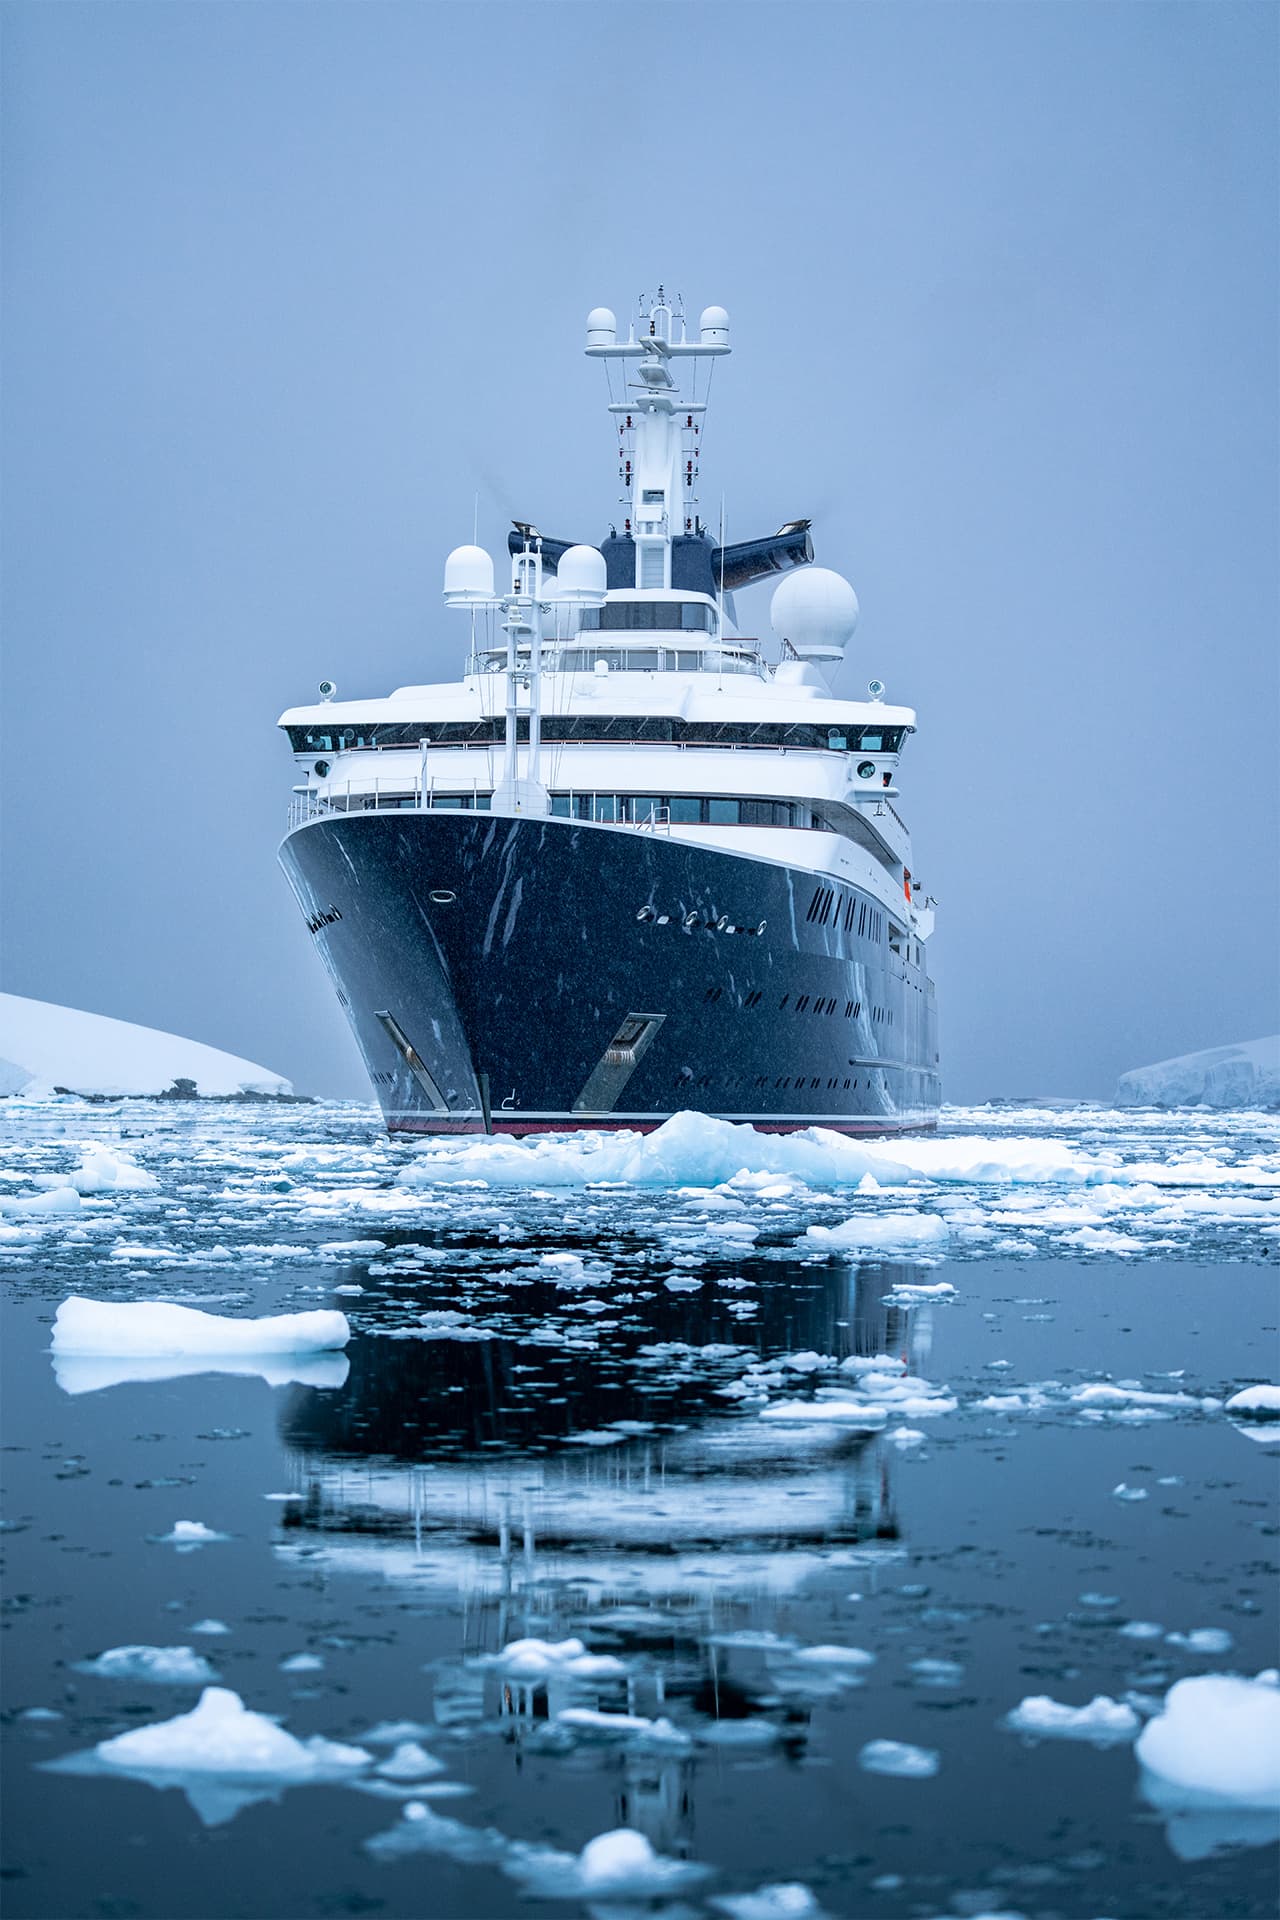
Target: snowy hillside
1246,1075
43,1047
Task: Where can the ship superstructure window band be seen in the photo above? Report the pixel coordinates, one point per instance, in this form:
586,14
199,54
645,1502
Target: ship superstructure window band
633,809
617,729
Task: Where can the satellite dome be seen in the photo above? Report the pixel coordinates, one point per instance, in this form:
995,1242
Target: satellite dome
468,577
713,327
602,328
581,577
815,611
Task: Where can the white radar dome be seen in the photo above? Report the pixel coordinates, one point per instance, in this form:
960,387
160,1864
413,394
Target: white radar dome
602,328
468,577
816,611
581,577
713,327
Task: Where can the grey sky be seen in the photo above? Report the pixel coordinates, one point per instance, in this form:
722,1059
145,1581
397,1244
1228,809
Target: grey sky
286,285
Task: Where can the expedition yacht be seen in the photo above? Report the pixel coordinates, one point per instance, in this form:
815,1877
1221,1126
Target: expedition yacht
627,865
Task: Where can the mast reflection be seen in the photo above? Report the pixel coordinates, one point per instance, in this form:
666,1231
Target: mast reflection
620,1494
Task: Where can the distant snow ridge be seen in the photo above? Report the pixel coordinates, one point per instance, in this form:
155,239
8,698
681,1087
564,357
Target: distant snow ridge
1244,1075
45,1049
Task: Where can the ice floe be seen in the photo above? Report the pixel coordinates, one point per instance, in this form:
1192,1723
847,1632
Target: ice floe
156,1329
1104,1722
899,1759
189,1534
1210,1763
159,1666
620,1865
882,1233
1260,1402
536,1660
222,1755
785,1900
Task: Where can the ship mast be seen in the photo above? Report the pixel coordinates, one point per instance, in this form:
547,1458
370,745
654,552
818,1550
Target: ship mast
658,432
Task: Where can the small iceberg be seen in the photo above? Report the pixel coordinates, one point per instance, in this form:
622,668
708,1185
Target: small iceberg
899,1760
1255,1403
157,1329
1104,1722
1210,1763
157,1666
222,1755
882,1232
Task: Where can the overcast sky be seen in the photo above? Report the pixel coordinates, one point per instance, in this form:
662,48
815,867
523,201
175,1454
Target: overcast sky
286,285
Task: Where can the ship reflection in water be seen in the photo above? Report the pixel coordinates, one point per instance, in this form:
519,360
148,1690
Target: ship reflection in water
618,1495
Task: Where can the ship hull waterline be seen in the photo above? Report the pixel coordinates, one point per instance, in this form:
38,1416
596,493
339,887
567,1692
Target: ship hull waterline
540,975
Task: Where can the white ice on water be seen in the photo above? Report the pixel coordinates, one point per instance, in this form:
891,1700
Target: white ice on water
161,1666
619,1865
222,1755
899,1759
1104,1722
157,1329
1210,1763
1255,1403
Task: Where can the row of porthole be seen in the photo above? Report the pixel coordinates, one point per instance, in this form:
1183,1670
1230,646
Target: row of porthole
799,1084
690,922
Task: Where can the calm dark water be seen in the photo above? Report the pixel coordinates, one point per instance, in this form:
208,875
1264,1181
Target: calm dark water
589,1460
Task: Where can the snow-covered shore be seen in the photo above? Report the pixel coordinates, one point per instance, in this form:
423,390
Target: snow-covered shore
46,1049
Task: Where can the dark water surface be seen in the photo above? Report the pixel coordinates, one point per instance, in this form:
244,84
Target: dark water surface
588,1459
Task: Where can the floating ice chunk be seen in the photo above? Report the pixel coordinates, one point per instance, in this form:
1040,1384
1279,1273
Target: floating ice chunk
409,1762
1104,1722
79,1373
907,1437
211,1627
1102,1393
886,1231
161,1666
1210,1761
55,1200
568,1268
395,1733
813,1413
787,1900
748,1733
622,1863
1202,1640
1141,1630
611,1725
187,1534
221,1754
1122,1492
543,1659
904,1290
937,1673
302,1663
900,1759
824,1656
106,1169
1255,1403
154,1328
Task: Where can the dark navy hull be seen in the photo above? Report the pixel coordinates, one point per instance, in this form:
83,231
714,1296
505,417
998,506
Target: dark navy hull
538,974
